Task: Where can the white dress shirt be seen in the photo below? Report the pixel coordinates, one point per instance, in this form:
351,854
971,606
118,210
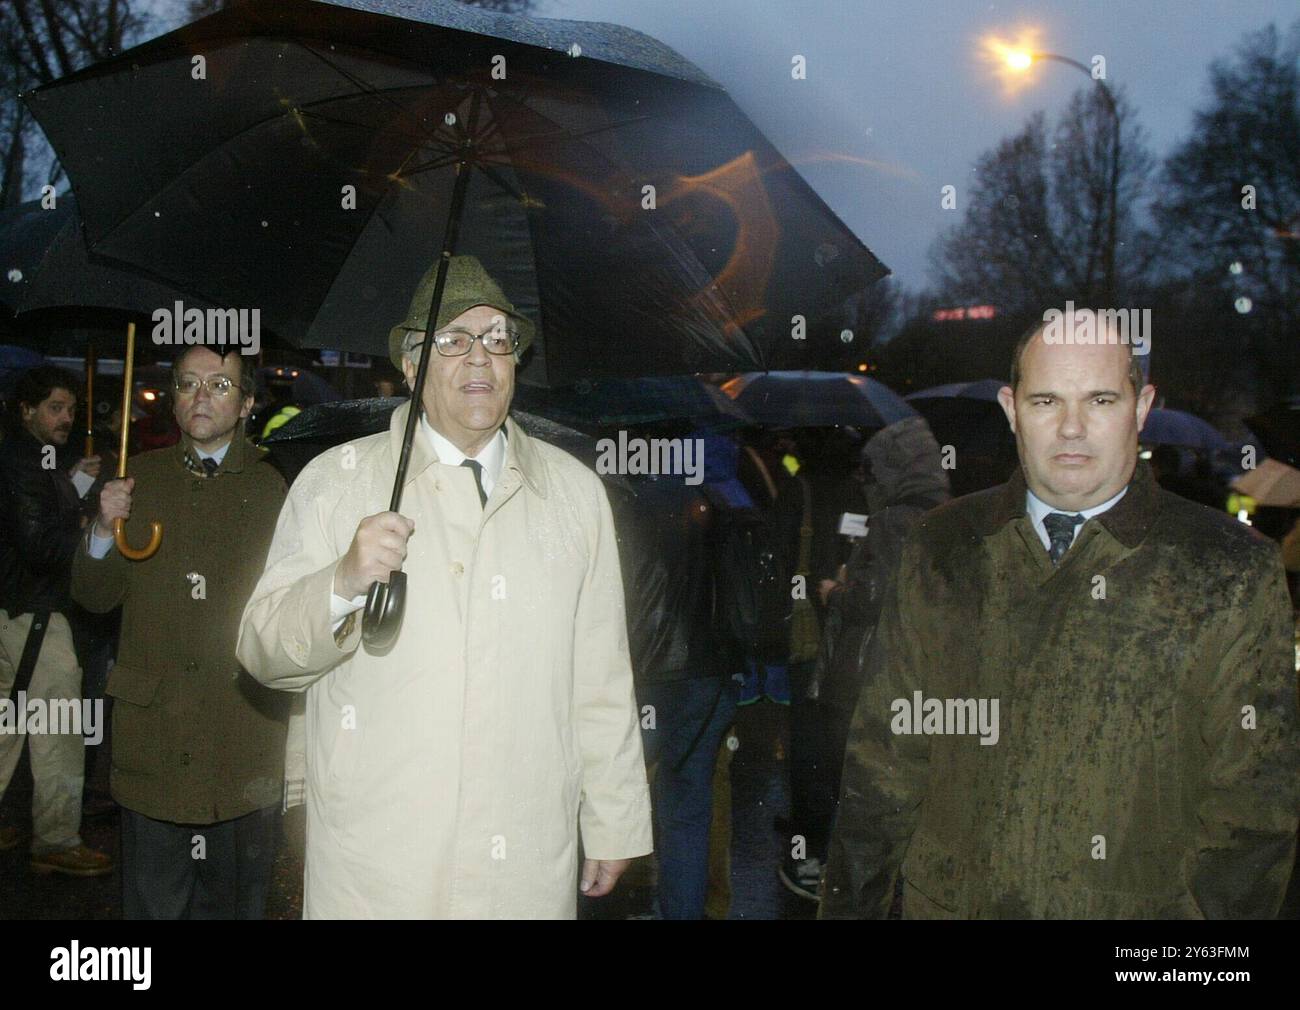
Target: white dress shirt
1037,509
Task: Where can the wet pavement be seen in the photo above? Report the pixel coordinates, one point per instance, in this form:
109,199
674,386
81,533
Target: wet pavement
759,793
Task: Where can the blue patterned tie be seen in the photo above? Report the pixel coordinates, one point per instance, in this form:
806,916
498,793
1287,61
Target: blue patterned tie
1060,531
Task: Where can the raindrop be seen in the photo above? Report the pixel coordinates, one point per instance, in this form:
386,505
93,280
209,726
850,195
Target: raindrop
846,336
1243,304
575,50
15,275
1235,267
450,119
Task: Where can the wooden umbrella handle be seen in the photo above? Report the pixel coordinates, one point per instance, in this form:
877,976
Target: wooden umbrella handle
124,545
155,527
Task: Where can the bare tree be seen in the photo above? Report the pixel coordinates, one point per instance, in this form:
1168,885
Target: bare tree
40,41
1037,226
1230,203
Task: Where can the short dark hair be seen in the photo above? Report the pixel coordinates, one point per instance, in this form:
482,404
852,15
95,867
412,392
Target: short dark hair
36,384
247,366
1135,375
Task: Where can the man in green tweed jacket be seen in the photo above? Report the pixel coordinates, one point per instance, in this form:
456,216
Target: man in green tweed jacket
1080,701
197,744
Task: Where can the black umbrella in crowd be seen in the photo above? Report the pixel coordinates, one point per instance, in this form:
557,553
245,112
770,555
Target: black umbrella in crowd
310,160
967,415
45,265
817,399
651,400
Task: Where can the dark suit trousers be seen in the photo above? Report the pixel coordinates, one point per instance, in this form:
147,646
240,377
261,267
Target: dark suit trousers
198,871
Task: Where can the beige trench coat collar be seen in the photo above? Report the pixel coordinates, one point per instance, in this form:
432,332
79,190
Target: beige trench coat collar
521,456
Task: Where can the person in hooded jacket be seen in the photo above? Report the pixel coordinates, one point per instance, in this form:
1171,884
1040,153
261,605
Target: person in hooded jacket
904,480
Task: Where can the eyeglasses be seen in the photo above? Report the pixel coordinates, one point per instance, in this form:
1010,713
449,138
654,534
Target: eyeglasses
454,343
216,385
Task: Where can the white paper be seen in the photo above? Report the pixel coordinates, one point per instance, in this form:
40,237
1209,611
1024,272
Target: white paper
83,482
853,525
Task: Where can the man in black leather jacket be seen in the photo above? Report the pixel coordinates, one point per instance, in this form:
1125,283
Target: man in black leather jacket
41,520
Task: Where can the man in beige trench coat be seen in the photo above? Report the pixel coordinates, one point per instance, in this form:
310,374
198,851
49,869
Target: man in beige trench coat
450,776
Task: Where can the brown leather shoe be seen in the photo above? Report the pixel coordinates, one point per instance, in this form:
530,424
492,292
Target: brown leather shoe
9,839
77,861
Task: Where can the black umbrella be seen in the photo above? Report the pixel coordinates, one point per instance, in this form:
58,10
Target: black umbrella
331,151
311,175
46,266
817,399
607,402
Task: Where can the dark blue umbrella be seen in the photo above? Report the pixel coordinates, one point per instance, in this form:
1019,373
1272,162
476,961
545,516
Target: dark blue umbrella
817,400
1177,427
13,362
607,402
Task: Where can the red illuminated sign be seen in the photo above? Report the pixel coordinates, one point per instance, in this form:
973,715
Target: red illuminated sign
967,312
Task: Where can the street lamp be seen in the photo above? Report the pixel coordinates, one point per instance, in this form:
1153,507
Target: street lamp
1020,60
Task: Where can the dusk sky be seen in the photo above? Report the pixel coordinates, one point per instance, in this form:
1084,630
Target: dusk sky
900,84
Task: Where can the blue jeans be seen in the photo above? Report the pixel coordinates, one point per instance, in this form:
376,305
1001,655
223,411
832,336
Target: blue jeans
690,718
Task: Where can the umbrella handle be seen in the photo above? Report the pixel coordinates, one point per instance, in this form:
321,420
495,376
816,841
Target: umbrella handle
124,545
382,619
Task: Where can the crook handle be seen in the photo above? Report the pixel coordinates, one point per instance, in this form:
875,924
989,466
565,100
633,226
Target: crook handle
124,546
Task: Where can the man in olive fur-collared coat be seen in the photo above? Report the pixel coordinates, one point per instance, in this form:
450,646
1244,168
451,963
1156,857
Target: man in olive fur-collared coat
1142,760
197,744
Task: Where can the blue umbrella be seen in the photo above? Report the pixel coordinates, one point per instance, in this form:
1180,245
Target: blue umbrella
980,389
13,362
1177,427
817,399
649,400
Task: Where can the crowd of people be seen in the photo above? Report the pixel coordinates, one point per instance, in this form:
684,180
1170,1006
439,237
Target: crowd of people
562,635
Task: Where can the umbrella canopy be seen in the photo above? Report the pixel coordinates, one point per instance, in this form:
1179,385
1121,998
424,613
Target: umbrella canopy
980,389
47,266
13,362
1177,427
817,399
624,201
26,234
967,415
1271,484
607,402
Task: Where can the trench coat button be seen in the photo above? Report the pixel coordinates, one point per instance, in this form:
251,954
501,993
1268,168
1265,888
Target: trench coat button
457,568
185,759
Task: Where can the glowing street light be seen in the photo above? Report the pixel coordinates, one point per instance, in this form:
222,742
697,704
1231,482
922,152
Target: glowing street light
1018,59
1015,60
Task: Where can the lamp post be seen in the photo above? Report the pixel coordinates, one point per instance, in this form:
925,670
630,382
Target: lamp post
1021,60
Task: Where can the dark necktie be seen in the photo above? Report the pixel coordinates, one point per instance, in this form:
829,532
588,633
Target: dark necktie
1060,531
477,467
209,465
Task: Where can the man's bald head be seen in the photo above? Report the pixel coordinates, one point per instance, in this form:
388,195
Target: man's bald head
1104,326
